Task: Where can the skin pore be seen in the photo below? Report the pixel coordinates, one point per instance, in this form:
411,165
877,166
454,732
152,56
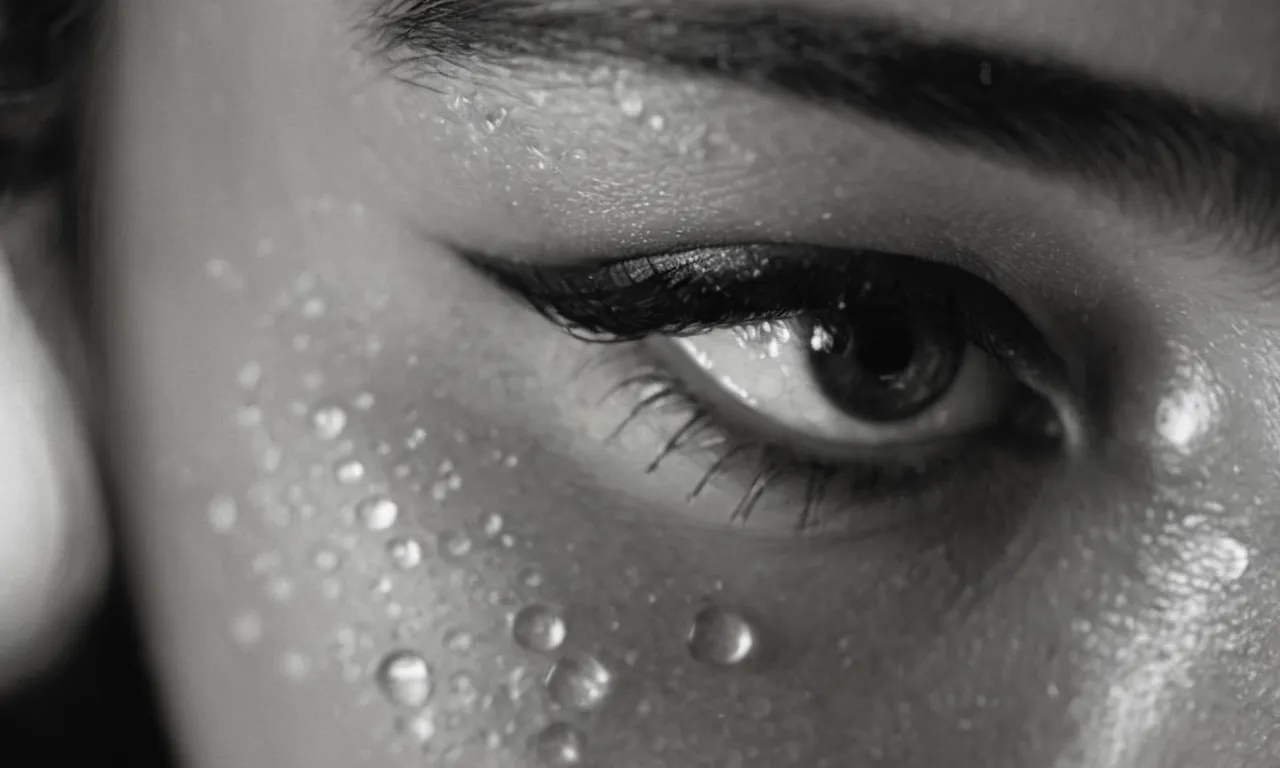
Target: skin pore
354,463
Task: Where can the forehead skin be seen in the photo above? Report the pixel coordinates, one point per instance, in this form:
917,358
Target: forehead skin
271,212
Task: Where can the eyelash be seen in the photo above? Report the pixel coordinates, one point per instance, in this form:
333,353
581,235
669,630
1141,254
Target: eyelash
700,435
694,292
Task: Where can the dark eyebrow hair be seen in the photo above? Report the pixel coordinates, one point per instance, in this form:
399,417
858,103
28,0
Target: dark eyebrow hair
1209,164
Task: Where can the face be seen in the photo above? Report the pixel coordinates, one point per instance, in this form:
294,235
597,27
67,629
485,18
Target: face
643,383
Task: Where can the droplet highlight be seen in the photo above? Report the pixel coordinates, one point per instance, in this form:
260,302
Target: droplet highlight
328,422
378,513
405,552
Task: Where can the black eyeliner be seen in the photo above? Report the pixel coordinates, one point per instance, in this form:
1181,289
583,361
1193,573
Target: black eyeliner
706,288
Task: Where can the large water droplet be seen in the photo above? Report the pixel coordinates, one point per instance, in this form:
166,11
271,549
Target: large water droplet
405,678
328,422
405,552
378,513
579,682
538,628
721,637
558,745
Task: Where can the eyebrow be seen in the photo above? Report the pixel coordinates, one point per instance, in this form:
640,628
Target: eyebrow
1137,144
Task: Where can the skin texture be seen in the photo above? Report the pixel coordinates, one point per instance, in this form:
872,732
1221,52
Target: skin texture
273,211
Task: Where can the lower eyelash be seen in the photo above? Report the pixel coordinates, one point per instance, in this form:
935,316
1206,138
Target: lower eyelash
700,435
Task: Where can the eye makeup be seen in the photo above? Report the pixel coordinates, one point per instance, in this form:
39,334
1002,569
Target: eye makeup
649,302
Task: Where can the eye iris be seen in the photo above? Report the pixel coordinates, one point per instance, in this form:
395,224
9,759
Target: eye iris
885,362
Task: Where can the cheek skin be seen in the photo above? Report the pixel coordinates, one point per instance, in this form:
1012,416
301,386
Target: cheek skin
308,394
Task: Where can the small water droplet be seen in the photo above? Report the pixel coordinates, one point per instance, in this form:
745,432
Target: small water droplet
657,122
294,665
416,438
632,104
456,543
492,524
247,628
349,471
559,745
250,375
463,689
405,679
378,513
223,513
405,552
328,422
579,682
538,628
420,727
279,589
326,560
458,640
313,308
721,637
530,577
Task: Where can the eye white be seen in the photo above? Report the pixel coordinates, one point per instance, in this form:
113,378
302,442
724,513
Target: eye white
760,375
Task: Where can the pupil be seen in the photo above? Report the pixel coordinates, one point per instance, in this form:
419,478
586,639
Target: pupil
883,348
886,362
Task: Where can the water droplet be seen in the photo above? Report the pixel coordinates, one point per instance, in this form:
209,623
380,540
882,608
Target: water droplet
364,401
313,307
328,422
492,524
294,665
405,679
559,745
657,122
458,640
538,628
247,628
326,560
378,513
463,689
579,682
530,577
349,471
250,376
632,104
405,552
421,728
416,438
223,513
721,637
456,543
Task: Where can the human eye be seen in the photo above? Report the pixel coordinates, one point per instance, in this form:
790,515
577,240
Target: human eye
831,387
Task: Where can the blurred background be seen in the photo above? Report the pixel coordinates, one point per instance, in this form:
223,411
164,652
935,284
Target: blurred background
95,700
